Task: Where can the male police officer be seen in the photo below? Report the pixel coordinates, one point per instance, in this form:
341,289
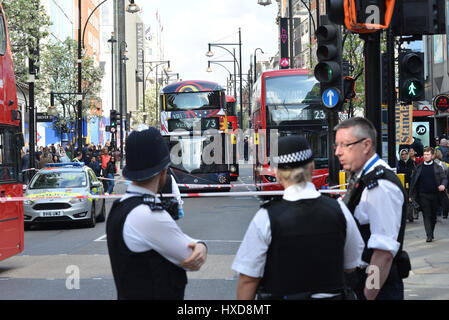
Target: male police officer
147,249
298,247
377,201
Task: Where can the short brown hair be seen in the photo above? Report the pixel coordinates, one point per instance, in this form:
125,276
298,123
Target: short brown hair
429,149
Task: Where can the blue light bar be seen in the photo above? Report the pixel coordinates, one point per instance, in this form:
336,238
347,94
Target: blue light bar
64,164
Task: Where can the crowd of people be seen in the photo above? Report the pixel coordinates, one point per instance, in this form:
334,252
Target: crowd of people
101,159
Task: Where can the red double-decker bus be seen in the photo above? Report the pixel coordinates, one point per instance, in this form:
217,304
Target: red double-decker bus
287,102
188,110
11,141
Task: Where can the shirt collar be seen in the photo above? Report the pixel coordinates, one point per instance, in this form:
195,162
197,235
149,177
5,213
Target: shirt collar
428,164
300,191
366,165
133,189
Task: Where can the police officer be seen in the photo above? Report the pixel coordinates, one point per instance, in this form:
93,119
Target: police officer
376,199
299,246
148,251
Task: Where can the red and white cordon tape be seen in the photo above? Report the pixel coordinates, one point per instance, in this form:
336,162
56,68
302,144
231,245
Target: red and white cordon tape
183,195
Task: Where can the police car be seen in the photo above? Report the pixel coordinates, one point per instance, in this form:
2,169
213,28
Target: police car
64,180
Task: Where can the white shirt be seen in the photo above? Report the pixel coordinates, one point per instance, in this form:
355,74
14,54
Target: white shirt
252,254
145,230
381,207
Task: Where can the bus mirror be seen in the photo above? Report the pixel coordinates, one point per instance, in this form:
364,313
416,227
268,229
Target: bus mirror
20,141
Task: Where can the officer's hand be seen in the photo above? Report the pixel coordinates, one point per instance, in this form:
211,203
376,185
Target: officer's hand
197,258
441,188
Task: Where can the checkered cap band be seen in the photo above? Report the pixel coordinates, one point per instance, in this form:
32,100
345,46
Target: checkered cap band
300,156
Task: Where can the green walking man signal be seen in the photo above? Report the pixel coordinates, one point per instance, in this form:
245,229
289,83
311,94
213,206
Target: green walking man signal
411,76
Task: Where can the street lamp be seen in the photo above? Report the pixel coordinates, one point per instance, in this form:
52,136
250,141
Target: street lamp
132,7
264,2
209,69
222,45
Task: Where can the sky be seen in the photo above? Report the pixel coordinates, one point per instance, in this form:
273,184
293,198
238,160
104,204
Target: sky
188,27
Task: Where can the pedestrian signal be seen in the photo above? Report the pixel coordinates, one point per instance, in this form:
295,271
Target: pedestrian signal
411,76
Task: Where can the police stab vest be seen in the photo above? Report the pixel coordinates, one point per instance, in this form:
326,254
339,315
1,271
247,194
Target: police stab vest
370,181
306,250
147,275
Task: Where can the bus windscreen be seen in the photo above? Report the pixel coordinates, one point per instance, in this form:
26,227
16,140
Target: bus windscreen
192,100
292,98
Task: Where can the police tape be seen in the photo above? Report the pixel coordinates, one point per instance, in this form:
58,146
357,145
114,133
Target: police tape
219,186
183,195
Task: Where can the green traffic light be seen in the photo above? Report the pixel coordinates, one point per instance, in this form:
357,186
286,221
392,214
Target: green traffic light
329,73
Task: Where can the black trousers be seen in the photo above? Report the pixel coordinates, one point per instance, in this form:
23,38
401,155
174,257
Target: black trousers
429,203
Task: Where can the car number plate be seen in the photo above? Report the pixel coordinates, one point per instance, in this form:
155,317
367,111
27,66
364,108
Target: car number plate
51,214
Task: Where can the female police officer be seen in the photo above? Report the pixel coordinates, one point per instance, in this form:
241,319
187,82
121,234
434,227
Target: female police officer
148,251
299,246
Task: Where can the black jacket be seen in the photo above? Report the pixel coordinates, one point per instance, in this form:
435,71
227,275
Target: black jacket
440,178
407,168
110,169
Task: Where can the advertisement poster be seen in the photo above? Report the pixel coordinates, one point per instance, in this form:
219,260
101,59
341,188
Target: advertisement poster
404,124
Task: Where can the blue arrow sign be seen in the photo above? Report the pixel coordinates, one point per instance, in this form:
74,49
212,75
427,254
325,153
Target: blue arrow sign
330,98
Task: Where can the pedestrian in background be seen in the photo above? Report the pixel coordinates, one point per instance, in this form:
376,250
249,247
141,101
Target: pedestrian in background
444,147
95,166
110,171
412,154
377,200
427,187
148,251
444,208
298,247
406,166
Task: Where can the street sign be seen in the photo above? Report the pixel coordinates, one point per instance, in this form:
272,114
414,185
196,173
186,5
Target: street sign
284,62
43,117
441,103
330,98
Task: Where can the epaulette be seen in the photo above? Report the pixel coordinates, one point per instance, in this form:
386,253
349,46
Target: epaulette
371,179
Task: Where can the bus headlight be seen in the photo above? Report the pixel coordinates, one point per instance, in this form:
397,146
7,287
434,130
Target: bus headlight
270,178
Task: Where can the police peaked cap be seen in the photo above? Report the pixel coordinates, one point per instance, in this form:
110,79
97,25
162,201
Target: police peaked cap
293,152
147,155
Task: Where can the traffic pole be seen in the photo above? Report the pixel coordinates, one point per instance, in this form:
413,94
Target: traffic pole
391,99
373,99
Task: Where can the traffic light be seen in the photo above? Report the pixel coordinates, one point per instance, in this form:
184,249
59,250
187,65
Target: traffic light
329,69
419,17
411,76
113,116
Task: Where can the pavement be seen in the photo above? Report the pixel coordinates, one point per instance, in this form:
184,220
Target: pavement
429,278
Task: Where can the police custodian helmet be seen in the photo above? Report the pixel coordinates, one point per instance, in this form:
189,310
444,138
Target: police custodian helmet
147,154
293,151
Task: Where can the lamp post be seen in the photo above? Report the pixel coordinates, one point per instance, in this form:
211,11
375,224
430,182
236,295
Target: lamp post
122,101
239,44
131,8
255,62
112,40
209,69
158,63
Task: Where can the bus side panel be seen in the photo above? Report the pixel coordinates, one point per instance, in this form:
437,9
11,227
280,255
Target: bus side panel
11,213
11,222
